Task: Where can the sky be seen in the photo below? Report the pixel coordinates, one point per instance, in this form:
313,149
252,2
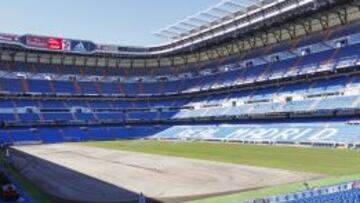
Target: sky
123,22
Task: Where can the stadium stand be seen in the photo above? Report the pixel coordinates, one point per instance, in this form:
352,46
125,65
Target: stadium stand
279,72
348,196
342,193
301,90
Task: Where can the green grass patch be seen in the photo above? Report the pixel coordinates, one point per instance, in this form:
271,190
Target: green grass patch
315,160
277,190
336,164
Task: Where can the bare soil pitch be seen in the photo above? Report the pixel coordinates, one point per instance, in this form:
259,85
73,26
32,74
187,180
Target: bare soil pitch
76,173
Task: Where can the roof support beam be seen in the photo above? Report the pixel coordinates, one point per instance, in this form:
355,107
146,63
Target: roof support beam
188,24
178,28
172,34
200,20
235,5
221,10
210,15
162,35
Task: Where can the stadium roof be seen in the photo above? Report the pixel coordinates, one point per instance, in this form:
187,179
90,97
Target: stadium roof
227,20
221,13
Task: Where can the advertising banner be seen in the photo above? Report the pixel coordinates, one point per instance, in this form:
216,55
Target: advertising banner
82,46
59,44
38,42
8,37
51,43
107,48
55,44
66,44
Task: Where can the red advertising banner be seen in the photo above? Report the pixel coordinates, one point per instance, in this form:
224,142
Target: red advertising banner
45,42
55,43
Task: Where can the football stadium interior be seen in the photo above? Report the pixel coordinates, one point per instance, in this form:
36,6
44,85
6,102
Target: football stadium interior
274,75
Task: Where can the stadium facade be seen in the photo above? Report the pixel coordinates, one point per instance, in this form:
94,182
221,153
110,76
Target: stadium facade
284,71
